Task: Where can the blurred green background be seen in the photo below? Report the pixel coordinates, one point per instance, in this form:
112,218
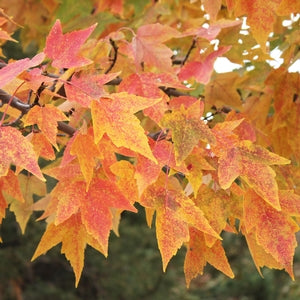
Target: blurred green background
133,270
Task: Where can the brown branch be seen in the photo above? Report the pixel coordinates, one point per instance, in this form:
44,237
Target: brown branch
15,102
114,59
25,107
173,92
189,52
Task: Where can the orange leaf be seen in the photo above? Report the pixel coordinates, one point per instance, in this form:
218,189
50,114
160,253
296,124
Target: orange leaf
14,148
216,206
94,205
73,236
252,163
115,117
87,160
195,164
29,185
46,117
115,6
63,48
274,230
260,257
222,90
286,7
147,171
212,7
290,202
10,185
12,70
125,171
174,214
198,254
41,145
187,129
260,17
148,85
148,47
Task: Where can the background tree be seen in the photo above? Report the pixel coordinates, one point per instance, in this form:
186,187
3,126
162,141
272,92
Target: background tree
118,110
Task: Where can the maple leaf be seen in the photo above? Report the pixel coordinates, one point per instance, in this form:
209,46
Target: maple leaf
222,90
148,85
116,6
213,30
35,79
63,48
73,236
12,70
274,231
196,163
186,101
198,254
174,214
114,116
260,257
148,47
125,181
46,117
148,171
187,129
252,163
260,17
212,7
41,145
83,88
87,161
202,68
286,7
289,202
17,150
10,188
29,185
93,204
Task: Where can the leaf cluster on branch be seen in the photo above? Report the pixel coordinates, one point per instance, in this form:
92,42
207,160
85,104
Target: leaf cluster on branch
131,111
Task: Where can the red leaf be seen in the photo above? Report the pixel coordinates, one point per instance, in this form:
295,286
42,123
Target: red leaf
148,46
63,48
12,70
274,231
198,254
94,205
201,69
46,117
15,148
83,88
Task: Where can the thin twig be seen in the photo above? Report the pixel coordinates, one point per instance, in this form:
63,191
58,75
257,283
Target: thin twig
189,51
173,92
114,59
24,109
38,94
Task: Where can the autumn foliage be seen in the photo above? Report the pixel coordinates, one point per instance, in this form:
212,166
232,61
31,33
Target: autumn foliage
121,105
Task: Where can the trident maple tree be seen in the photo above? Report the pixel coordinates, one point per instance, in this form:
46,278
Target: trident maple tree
121,105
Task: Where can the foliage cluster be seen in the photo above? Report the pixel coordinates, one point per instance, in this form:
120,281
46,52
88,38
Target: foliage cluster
127,110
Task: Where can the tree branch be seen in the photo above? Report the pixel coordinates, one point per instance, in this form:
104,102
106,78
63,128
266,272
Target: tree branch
189,51
15,102
24,108
114,59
